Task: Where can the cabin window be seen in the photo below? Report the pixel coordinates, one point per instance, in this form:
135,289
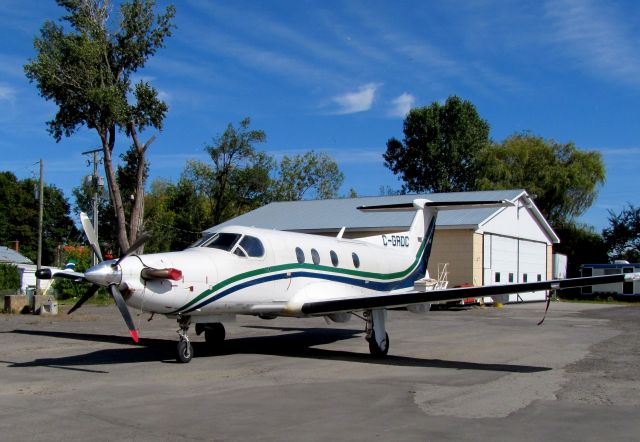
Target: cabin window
299,255
539,277
252,246
356,260
524,277
497,276
587,271
223,241
510,277
334,258
315,256
612,271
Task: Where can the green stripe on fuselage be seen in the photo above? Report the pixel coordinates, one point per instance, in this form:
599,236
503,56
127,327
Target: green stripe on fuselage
297,266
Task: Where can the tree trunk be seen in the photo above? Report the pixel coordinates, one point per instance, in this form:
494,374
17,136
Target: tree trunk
108,141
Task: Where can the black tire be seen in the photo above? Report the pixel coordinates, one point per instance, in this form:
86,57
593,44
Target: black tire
375,349
214,333
185,352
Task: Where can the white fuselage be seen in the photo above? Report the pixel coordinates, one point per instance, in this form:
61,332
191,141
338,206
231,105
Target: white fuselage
275,280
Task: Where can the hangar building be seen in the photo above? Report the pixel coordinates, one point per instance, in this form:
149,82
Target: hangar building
481,246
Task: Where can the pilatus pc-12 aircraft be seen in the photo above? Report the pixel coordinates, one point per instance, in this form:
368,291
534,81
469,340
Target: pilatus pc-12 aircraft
269,273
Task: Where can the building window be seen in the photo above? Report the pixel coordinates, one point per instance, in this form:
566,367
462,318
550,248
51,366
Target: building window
356,260
497,276
334,258
510,277
299,255
315,256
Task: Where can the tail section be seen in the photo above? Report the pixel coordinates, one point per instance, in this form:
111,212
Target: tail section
418,240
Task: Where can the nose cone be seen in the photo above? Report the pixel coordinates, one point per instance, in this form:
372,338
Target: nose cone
104,274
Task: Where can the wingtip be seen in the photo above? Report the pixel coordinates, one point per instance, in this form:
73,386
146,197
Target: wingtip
134,335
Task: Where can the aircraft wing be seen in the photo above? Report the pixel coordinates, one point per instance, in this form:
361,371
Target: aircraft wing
355,303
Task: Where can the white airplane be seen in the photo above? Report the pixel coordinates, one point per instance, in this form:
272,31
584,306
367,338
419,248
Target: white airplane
269,273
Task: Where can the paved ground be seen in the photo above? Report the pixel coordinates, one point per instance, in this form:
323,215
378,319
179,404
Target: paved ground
475,374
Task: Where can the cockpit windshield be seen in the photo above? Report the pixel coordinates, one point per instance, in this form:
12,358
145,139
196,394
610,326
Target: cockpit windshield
206,237
249,246
223,241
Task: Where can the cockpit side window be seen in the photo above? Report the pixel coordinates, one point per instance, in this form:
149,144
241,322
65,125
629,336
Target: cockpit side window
252,246
223,241
206,237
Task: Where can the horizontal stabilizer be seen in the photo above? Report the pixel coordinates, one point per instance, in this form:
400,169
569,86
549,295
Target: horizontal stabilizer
421,203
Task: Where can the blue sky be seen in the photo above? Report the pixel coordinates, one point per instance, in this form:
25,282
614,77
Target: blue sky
338,77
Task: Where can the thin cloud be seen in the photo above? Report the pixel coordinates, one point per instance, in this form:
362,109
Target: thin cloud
358,101
402,105
596,37
7,93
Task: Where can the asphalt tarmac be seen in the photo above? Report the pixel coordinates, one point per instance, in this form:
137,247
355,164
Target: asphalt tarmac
476,374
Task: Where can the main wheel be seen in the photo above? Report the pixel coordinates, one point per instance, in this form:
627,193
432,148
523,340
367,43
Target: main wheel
214,333
185,352
378,350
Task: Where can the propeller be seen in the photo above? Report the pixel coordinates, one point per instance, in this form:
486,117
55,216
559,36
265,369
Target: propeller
104,274
109,274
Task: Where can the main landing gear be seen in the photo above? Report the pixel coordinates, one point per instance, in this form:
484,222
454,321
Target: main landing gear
376,333
214,334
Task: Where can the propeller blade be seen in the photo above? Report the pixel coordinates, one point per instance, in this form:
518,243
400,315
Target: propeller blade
91,235
141,240
88,294
64,274
124,310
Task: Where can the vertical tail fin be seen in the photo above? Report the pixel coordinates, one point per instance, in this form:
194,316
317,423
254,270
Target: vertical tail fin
419,238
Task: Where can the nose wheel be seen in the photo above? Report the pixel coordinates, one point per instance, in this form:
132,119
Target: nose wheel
185,349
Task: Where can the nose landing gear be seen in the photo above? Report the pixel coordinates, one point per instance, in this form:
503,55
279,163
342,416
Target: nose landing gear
185,349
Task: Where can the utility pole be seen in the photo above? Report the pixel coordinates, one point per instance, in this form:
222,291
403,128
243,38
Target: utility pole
95,186
40,223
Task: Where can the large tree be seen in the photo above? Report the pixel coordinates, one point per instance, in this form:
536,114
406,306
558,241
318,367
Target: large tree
622,237
441,142
19,217
85,65
310,175
563,179
237,179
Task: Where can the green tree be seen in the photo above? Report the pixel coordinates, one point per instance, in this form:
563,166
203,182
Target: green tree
159,218
85,68
237,179
563,179
9,278
622,237
310,175
582,245
440,146
19,217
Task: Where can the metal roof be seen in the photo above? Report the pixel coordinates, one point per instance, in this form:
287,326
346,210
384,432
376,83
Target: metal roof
333,214
8,255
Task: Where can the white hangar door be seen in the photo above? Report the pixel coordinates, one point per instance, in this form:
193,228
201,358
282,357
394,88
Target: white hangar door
510,260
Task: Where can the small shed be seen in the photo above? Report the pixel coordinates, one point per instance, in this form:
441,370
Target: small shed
26,270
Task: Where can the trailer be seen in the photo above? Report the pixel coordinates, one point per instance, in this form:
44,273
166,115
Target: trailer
621,289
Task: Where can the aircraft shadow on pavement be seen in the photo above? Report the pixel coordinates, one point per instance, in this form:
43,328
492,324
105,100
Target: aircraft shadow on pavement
299,343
